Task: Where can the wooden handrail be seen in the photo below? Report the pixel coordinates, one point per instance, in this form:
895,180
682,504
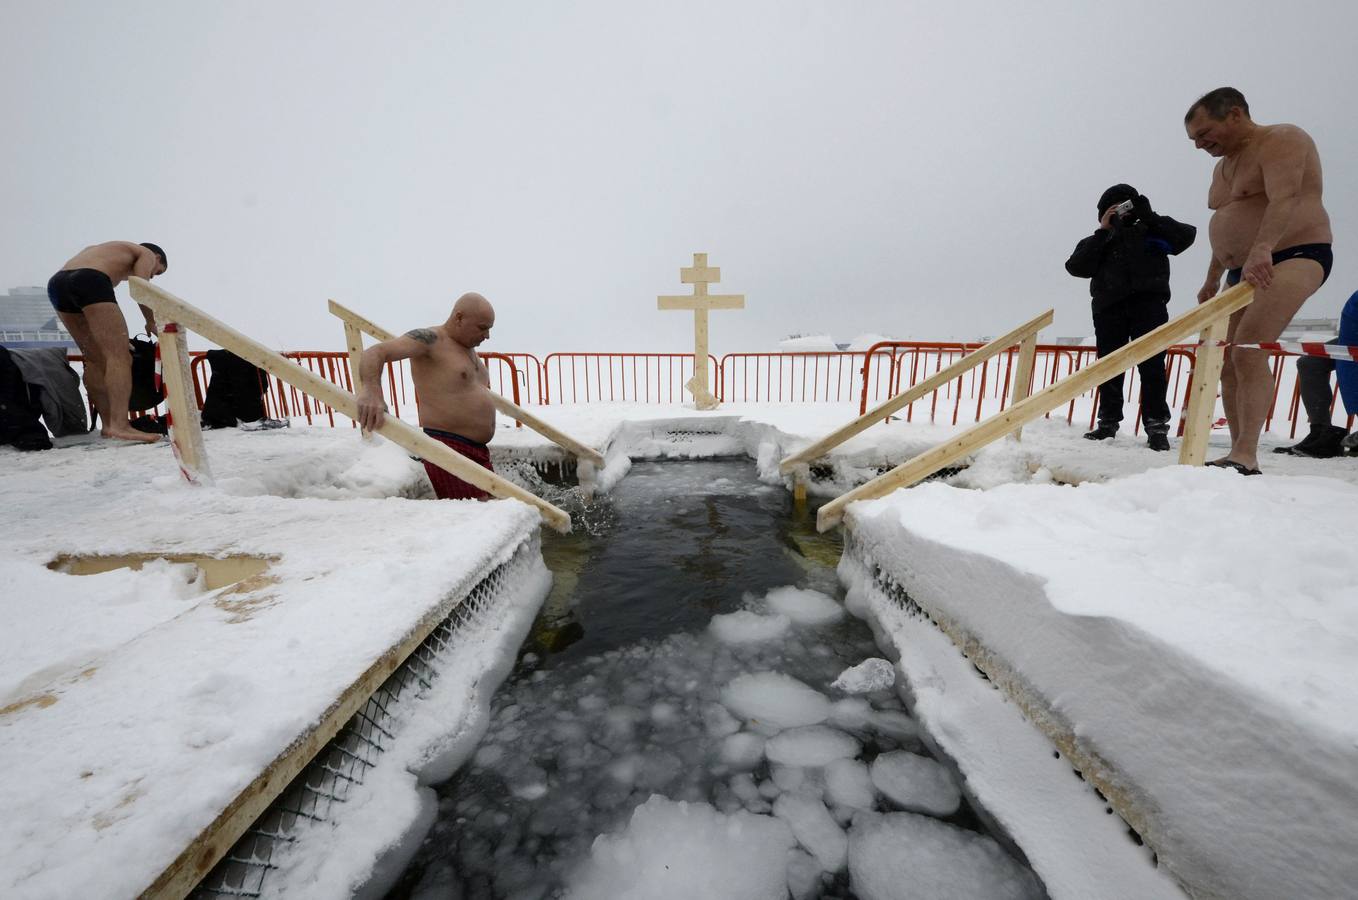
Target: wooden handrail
1205,317
508,407
1027,330
171,309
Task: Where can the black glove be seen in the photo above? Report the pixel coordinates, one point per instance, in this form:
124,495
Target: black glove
1142,208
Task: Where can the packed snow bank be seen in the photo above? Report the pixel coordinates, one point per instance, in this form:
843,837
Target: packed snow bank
150,704
1186,634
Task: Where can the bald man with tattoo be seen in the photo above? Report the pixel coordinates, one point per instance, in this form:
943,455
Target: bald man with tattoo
452,384
1269,228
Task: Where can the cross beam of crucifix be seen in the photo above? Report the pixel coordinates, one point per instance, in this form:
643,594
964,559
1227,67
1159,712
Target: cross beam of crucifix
700,275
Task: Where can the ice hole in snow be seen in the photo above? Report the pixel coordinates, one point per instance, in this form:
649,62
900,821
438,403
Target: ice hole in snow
704,761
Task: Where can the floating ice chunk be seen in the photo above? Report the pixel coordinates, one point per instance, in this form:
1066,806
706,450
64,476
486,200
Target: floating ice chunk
916,783
745,627
811,745
743,786
775,699
719,722
901,856
851,714
803,606
895,725
488,755
742,751
869,675
803,875
798,780
685,850
815,829
847,783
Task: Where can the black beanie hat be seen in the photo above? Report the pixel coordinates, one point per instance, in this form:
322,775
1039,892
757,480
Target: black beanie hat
1115,194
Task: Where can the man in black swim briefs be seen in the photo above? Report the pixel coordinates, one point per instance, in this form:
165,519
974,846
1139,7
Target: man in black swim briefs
1268,228
82,295
1321,253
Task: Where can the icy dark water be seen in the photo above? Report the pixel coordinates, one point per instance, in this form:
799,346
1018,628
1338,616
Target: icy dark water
619,692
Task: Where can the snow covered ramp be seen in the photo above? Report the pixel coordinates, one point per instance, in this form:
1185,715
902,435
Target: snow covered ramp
1184,636
163,712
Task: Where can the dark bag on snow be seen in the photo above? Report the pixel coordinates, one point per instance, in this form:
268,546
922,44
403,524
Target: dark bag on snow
234,392
144,394
19,423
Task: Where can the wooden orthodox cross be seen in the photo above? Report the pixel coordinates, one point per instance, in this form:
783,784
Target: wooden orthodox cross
700,276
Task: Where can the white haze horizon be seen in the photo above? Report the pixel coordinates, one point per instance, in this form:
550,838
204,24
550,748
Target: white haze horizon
871,168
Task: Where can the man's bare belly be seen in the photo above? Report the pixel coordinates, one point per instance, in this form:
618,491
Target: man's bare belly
1234,227
469,413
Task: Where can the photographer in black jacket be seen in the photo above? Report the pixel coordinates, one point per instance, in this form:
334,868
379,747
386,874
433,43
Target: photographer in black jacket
1127,260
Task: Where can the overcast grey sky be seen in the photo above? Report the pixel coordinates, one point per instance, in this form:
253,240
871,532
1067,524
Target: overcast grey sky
920,170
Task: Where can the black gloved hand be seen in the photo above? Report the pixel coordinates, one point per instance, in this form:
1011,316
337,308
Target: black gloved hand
1141,207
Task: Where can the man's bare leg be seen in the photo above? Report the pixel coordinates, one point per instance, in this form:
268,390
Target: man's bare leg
1228,383
93,364
1294,281
109,330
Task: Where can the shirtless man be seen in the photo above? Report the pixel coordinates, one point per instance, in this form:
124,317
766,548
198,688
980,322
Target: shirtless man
1268,225
453,387
82,294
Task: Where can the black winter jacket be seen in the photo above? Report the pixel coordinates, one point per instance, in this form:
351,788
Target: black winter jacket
1130,258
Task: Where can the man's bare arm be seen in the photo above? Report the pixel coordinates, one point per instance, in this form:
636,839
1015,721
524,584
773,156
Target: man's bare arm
412,344
1211,286
146,262
1282,158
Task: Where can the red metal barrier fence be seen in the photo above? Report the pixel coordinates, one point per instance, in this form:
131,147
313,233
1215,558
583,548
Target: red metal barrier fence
621,377
870,376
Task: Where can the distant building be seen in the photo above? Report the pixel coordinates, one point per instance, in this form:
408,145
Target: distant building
28,320
1309,329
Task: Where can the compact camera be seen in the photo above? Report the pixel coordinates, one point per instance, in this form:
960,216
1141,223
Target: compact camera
1125,208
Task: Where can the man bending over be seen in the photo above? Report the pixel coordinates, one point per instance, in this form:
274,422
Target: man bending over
1269,227
452,384
82,294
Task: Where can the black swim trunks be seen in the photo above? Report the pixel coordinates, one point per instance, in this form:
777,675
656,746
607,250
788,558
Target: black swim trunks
71,290
1321,253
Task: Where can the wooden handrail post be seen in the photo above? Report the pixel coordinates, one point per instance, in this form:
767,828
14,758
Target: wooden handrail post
1023,378
1202,394
1204,315
353,340
168,307
186,428
818,449
509,408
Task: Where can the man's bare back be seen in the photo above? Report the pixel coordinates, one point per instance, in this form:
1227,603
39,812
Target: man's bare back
1239,195
116,259
450,379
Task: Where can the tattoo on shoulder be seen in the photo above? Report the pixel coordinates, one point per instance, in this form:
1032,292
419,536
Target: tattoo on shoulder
423,335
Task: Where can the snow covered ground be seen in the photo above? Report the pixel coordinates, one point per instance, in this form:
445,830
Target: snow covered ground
136,705
1186,635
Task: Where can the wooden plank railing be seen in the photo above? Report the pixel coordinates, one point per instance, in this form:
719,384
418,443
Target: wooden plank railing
1207,319
1025,335
172,311
356,325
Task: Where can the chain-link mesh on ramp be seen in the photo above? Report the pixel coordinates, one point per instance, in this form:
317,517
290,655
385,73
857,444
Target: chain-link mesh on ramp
343,764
